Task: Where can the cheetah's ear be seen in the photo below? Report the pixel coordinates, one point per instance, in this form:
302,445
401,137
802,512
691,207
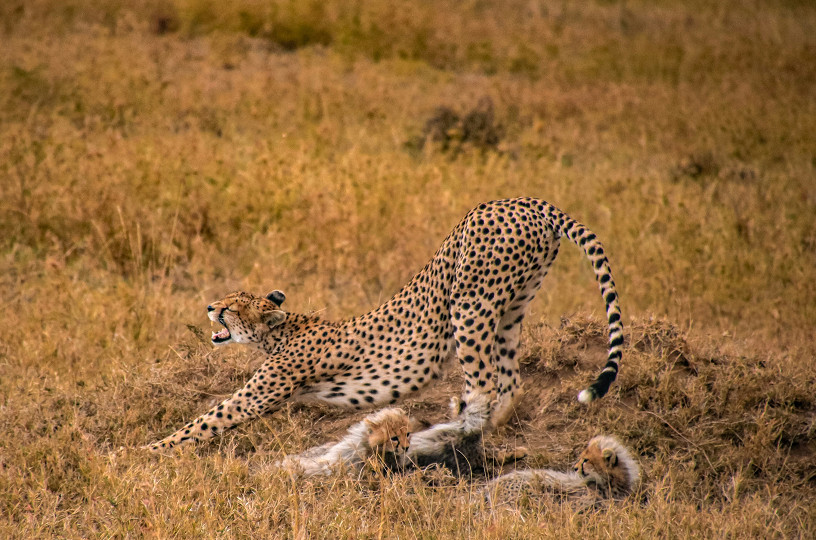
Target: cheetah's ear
276,296
609,456
273,317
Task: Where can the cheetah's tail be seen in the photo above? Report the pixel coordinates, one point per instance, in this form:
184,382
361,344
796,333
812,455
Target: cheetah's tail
586,240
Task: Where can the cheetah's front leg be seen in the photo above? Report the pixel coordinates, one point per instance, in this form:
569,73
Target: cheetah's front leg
266,390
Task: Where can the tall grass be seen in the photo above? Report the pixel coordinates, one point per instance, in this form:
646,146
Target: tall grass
155,155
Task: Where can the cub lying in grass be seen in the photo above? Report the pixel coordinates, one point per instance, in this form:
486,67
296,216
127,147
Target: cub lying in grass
382,435
605,470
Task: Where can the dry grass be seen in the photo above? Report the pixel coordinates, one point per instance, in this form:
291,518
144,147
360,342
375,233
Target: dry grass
155,155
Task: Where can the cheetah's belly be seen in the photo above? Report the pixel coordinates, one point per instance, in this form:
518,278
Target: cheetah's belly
359,389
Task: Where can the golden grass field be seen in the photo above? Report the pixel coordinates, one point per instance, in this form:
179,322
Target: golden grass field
155,155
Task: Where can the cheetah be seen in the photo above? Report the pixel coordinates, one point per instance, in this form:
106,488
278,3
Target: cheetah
468,301
605,470
383,435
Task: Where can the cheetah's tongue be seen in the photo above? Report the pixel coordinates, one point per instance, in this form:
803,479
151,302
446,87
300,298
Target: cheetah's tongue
223,335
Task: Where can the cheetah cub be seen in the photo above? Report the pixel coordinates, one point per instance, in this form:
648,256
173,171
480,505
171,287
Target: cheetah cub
383,434
605,470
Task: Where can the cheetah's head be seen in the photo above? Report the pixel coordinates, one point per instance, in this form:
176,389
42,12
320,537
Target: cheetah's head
606,462
389,431
246,318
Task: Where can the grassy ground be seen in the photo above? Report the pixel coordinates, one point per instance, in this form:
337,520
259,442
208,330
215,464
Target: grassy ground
155,155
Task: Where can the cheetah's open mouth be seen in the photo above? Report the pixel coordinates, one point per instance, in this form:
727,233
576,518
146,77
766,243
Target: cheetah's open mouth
221,336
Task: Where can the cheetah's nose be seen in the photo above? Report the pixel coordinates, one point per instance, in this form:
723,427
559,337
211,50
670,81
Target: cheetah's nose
210,308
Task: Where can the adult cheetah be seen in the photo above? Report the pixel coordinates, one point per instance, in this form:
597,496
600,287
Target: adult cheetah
469,300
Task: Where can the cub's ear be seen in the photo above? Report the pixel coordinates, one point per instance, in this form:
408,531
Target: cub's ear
609,456
374,424
276,296
274,317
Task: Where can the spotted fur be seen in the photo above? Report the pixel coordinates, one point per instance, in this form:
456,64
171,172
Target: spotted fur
605,470
468,301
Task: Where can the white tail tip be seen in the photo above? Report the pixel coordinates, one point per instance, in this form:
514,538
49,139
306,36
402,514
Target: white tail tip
586,396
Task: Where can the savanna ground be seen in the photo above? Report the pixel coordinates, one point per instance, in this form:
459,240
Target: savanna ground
155,155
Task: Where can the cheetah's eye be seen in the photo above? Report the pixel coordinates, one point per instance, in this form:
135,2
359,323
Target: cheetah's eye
395,439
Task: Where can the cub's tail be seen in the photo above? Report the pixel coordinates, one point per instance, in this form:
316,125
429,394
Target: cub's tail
586,240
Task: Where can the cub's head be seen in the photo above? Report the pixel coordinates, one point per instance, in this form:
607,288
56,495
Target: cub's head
608,464
246,318
389,431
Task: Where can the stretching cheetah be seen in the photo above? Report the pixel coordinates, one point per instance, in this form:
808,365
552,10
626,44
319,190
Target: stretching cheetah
469,300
